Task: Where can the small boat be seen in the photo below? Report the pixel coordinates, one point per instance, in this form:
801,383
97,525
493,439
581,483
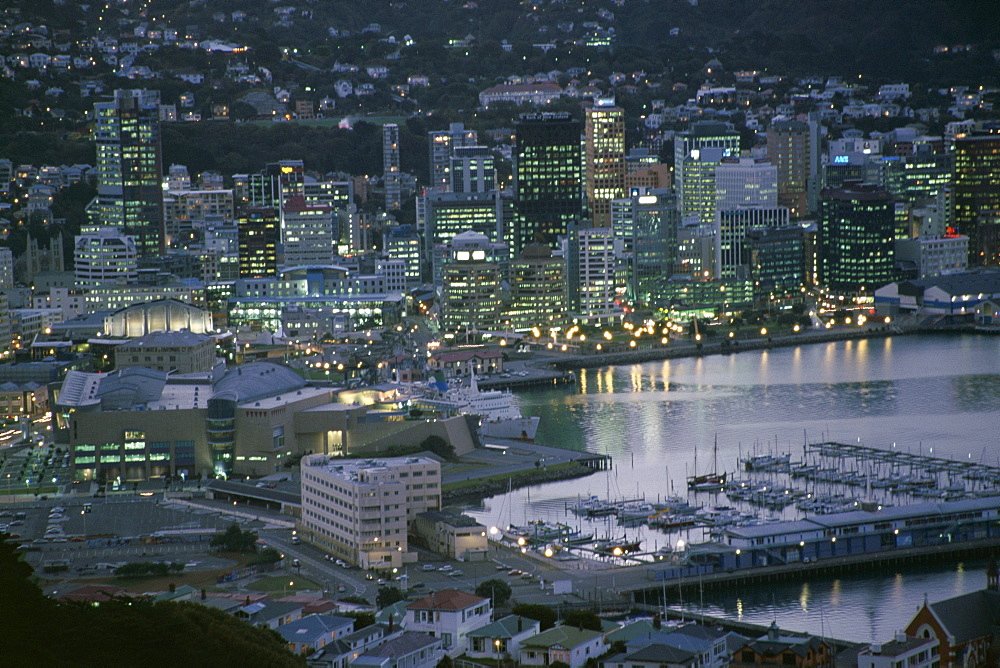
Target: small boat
616,547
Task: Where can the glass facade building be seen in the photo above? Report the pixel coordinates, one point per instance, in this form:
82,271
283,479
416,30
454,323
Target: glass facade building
854,242
547,178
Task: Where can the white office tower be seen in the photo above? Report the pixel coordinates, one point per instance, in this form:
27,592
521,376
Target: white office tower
307,233
442,146
591,258
745,182
104,257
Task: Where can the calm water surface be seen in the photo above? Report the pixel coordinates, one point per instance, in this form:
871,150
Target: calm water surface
660,422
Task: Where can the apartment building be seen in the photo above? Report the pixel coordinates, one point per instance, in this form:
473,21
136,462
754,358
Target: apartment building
360,509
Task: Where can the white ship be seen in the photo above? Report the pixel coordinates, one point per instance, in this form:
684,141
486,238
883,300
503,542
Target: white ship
500,416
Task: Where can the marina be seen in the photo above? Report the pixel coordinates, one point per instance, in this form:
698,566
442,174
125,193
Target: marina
931,397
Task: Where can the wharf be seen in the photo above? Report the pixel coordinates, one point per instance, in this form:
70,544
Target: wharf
852,563
894,457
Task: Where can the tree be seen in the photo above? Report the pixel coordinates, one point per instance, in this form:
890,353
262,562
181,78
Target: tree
439,447
496,590
235,539
545,615
584,619
445,662
387,596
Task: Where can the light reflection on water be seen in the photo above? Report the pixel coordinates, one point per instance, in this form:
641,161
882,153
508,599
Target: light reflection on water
654,419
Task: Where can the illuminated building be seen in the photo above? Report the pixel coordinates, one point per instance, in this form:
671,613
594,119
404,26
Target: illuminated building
731,256
976,196
793,148
547,173
702,135
471,290
854,241
442,147
360,509
307,233
104,257
390,167
538,289
130,168
605,158
258,233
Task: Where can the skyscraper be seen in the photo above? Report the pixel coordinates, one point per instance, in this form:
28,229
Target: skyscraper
854,243
790,149
605,156
105,257
390,166
258,232
130,168
442,147
547,173
702,135
976,196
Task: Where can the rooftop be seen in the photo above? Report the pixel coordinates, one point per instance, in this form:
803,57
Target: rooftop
446,599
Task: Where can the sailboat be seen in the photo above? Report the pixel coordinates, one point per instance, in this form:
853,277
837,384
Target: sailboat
707,482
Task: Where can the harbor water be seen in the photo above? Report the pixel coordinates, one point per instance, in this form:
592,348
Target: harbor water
665,421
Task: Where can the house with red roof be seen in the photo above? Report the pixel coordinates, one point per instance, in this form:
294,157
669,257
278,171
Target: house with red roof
449,615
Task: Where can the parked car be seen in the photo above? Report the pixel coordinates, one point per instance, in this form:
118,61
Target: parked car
429,567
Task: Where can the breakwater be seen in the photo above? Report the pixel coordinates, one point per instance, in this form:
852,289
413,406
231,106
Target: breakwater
486,487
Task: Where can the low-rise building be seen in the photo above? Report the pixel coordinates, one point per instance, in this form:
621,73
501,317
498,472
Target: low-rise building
566,644
408,650
179,352
314,632
449,615
901,651
502,639
453,536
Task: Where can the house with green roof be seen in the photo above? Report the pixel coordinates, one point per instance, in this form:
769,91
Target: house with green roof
502,638
568,644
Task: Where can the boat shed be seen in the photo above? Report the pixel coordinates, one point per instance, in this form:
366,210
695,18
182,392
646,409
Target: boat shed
950,296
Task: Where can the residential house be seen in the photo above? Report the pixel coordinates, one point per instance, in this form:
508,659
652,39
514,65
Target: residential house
449,615
567,644
270,614
345,649
502,639
776,648
408,650
314,631
653,656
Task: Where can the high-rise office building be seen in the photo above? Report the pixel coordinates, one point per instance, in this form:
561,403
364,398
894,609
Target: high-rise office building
105,257
854,242
471,285
731,251
777,260
473,170
646,224
6,268
446,215
547,173
604,137
792,149
307,233
592,257
130,168
258,233
538,289
442,145
975,196
392,179
701,135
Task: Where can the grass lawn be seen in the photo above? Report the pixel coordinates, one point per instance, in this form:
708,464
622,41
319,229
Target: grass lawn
280,584
199,579
519,476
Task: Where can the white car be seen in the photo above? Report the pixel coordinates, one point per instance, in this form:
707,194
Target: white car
429,567
445,568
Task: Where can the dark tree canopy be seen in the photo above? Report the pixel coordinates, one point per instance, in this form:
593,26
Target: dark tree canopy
496,590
